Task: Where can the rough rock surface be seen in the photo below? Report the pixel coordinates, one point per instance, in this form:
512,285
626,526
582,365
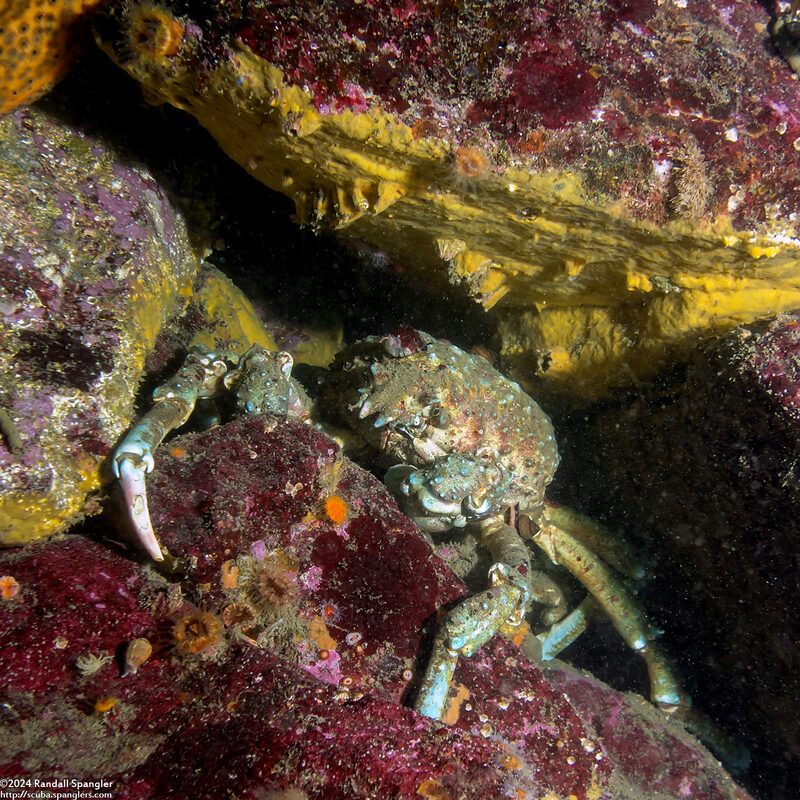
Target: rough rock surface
625,172
94,257
306,697
702,468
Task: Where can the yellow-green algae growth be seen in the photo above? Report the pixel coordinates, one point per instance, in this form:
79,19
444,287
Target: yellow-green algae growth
86,295
233,323
603,299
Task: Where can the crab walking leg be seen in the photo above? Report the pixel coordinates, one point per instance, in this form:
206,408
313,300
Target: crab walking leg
611,549
546,592
606,591
548,644
723,744
621,607
133,458
471,624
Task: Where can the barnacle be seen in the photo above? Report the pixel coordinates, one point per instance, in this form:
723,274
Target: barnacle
198,633
151,31
470,166
240,616
275,586
271,581
346,691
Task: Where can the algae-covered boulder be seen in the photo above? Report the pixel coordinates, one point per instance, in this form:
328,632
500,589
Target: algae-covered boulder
619,177
286,668
702,466
94,257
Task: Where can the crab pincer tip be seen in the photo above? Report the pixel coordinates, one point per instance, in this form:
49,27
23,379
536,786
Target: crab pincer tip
135,493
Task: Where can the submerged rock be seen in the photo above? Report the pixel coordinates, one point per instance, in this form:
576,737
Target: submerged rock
622,176
303,693
94,259
702,466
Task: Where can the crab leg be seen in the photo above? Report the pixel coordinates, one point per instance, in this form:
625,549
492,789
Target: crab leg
471,624
621,607
629,620
135,493
133,458
611,549
547,645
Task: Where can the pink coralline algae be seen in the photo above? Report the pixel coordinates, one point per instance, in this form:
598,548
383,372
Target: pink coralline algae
83,234
617,89
41,640
226,510
263,714
773,356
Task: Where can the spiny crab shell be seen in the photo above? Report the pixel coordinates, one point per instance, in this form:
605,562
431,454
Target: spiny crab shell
467,434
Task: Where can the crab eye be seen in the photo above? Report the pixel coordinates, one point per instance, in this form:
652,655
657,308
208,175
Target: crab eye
477,505
438,417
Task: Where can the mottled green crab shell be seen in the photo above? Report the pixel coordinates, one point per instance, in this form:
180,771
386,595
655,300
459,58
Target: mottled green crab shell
416,407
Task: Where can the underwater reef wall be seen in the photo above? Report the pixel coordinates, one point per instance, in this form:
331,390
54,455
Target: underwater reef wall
278,652
702,470
620,178
94,259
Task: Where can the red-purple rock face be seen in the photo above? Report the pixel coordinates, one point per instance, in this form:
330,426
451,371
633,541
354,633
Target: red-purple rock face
307,696
774,361
727,539
620,89
263,536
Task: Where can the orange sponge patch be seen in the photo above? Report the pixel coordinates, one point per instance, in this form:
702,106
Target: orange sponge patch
336,509
39,40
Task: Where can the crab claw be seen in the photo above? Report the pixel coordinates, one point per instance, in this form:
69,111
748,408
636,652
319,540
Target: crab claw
135,492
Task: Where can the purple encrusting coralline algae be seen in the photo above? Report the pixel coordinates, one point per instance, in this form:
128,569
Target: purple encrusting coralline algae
94,257
251,707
